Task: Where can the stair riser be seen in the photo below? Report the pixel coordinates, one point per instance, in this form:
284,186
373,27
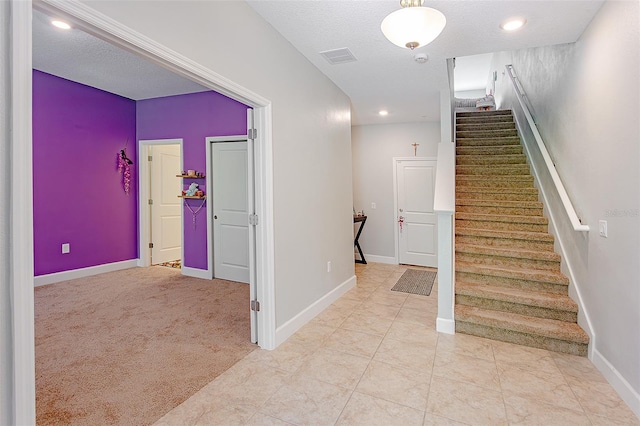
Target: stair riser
484,126
507,262
490,159
473,183
518,283
474,134
492,120
516,308
489,150
494,196
522,338
504,243
460,207
485,142
517,169
501,226
485,114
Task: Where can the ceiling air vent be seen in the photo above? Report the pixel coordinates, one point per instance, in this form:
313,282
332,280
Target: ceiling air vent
338,56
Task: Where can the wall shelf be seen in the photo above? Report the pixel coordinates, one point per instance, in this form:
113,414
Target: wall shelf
193,197
191,177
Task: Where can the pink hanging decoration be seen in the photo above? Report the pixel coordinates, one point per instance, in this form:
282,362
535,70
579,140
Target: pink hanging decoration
124,167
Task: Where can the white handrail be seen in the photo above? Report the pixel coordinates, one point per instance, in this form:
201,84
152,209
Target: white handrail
564,197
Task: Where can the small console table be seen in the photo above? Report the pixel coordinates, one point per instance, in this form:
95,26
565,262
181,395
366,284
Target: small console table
361,220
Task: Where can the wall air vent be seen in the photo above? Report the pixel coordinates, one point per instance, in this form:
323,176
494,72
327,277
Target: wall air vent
338,56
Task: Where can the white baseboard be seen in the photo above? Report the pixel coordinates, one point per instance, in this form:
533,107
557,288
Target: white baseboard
287,329
381,259
83,272
624,389
196,273
445,326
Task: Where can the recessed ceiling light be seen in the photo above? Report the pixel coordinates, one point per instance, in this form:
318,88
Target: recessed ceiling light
383,112
61,24
513,24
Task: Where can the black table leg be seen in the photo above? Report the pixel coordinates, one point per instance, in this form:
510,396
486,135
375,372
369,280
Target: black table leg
362,220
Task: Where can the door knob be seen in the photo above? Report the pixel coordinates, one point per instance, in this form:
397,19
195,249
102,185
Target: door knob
215,216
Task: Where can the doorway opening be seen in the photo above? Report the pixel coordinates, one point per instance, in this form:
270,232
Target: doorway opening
87,19
160,211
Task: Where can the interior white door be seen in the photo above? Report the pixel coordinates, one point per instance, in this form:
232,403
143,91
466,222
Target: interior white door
166,224
230,211
415,218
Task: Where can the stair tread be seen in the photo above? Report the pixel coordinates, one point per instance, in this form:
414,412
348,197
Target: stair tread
539,275
556,301
499,203
554,329
541,220
515,235
481,148
484,178
550,256
494,190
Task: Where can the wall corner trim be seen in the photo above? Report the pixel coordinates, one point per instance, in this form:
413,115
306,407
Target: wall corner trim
83,272
287,329
624,388
445,326
196,273
390,260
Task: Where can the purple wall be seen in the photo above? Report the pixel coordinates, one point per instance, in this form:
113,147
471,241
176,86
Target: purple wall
78,193
192,118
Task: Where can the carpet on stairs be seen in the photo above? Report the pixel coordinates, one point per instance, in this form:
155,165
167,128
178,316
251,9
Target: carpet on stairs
509,285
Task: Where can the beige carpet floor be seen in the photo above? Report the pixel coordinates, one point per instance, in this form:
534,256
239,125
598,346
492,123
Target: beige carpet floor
128,346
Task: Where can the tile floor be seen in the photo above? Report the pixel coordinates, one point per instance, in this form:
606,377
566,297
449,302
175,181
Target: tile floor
374,358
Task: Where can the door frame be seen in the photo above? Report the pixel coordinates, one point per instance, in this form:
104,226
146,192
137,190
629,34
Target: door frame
144,186
396,160
21,272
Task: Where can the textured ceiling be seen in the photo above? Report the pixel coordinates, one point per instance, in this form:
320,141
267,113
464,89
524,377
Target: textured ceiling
384,75
80,57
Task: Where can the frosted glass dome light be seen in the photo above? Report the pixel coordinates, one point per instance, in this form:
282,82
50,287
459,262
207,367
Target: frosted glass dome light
414,26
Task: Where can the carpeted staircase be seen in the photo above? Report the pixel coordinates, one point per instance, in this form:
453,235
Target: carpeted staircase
508,281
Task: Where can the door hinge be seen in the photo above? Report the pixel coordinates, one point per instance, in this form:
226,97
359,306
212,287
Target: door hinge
150,245
150,158
255,305
150,201
253,219
252,134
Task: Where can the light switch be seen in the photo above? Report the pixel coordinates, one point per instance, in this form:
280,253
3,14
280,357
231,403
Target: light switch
66,248
602,226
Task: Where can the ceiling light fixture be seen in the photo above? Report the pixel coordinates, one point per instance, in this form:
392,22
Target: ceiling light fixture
413,26
383,112
60,24
513,24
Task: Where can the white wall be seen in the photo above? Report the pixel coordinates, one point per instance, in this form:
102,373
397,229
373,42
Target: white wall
586,98
311,133
5,166
374,147
471,94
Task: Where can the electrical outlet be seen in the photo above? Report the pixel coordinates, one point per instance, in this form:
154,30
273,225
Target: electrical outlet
602,227
373,206
66,248
329,266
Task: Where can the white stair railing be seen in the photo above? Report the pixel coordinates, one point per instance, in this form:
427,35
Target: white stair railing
551,168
